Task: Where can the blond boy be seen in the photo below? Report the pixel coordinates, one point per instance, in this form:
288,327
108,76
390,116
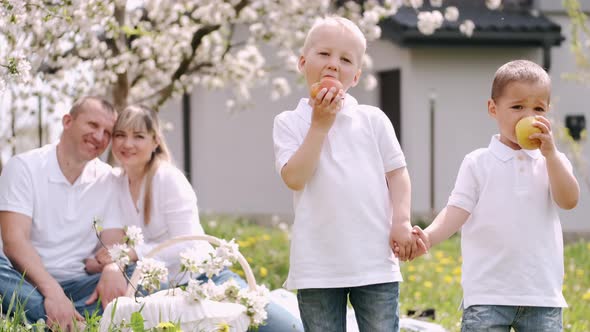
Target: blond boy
351,191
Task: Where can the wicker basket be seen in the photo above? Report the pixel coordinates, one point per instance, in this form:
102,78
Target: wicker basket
153,305
211,239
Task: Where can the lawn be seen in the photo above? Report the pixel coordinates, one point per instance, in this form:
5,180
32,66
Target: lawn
432,281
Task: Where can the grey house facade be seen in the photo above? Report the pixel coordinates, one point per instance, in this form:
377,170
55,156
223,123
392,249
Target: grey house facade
434,89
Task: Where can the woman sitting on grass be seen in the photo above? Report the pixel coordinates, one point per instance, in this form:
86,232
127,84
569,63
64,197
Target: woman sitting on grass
155,196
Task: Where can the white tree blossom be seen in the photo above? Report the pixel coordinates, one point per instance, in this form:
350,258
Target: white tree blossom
467,28
149,51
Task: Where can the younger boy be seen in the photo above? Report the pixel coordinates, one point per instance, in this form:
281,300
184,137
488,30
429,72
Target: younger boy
351,191
506,200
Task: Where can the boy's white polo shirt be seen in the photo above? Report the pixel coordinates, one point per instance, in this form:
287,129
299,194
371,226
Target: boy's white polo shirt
32,184
512,243
340,236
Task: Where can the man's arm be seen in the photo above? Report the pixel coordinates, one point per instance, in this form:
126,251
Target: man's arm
16,237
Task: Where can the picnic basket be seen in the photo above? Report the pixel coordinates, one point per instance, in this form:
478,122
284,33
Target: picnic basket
174,305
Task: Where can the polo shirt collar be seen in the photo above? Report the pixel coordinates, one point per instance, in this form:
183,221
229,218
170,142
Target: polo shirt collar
89,173
304,110
505,153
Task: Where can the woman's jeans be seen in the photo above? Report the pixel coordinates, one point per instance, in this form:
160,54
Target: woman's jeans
279,319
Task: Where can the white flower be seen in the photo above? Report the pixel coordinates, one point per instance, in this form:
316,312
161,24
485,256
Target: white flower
191,260
436,3
451,14
134,236
2,84
416,3
280,88
467,28
152,273
493,4
119,254
370,82
255,302
428,22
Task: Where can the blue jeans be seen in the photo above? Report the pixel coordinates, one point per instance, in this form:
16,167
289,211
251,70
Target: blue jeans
12,284
279,319
500,318
375,307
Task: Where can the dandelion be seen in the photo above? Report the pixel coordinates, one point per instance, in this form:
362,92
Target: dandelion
428,284
448,279
263,272
586,295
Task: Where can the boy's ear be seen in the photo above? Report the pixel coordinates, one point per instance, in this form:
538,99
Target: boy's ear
301,63
356,78
492,108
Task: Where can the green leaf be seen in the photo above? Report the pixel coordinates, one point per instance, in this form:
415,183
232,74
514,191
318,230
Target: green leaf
137,322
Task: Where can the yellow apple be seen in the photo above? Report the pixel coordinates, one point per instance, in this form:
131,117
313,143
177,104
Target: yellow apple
524,129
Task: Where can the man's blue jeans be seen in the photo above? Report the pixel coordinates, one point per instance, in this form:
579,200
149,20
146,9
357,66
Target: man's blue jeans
375,307
500,318
12,282
279,319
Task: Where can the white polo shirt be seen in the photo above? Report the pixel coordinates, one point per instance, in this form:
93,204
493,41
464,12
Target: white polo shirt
32,184
340,236
512,243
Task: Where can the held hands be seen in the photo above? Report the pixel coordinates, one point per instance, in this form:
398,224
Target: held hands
406,245
326,104
420,246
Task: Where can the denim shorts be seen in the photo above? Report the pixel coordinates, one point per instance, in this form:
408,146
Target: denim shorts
375,307
499,318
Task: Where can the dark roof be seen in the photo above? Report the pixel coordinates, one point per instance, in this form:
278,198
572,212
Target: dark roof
509,27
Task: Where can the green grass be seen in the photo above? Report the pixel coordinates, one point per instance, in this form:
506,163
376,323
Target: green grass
432,281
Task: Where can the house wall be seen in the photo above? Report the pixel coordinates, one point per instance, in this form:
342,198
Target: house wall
232,154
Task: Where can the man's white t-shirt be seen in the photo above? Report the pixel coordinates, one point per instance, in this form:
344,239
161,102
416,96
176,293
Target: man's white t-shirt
62,214
340,236
512,243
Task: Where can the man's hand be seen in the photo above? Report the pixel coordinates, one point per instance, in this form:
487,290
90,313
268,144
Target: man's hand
111,285
61,312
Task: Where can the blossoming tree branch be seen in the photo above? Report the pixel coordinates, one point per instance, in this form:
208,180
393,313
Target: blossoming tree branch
148,51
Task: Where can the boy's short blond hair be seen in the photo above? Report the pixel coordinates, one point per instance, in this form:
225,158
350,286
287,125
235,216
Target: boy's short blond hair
340,22
518,71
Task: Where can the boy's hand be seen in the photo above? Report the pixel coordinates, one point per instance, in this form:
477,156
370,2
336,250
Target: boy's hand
423,240
547,147
400,239
326,105
422,245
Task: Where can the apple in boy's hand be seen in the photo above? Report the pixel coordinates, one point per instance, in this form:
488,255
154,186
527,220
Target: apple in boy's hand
524,129
326,82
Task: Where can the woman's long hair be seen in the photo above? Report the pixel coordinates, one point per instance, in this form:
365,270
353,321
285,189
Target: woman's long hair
139,117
